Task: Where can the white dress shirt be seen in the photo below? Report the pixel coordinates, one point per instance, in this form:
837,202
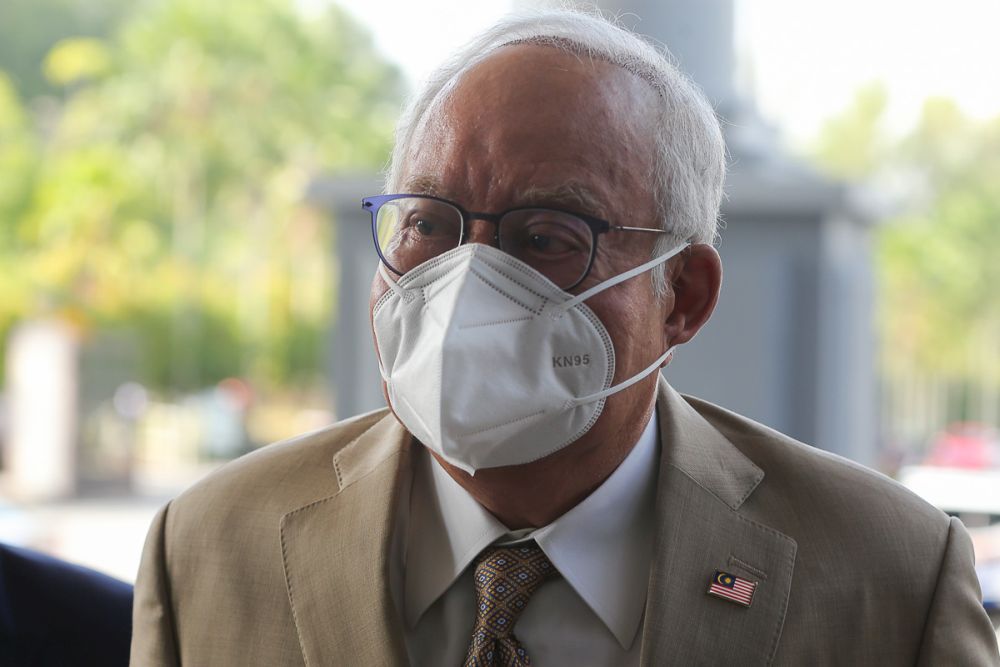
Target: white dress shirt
602,547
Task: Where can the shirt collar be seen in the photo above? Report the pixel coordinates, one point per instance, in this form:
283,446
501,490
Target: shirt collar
602,546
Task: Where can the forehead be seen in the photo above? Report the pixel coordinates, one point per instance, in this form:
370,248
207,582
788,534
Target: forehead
516,71
539,117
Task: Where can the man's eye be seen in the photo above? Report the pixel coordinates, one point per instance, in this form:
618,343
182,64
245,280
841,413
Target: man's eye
424,225
539,242
545,243
546,239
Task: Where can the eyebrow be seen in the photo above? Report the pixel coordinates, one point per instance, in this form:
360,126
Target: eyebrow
423,185
571,195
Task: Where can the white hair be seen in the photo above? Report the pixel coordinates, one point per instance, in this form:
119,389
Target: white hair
689,159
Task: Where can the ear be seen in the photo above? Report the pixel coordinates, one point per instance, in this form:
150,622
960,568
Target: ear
695,280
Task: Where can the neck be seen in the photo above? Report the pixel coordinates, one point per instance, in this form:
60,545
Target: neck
536,494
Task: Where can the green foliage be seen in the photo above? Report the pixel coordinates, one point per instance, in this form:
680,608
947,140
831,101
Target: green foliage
76,59
18,167
852,145
29,29
937,258
17,155
168,192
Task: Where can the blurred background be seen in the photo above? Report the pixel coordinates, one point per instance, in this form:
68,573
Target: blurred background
184,264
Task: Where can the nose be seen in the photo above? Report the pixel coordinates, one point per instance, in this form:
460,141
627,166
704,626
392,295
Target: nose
478,230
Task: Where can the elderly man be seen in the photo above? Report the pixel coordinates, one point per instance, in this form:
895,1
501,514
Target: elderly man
536,494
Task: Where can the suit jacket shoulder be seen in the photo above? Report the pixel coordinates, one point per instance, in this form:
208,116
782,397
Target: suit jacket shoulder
216,559
873,562
228,522
275,477
799,477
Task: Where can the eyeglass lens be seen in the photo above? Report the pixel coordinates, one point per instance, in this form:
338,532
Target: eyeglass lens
412,230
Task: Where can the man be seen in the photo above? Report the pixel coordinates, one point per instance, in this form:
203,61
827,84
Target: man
55,613
537,495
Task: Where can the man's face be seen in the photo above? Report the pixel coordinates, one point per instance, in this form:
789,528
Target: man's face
534,126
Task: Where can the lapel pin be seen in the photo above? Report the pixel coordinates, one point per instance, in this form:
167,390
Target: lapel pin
730,587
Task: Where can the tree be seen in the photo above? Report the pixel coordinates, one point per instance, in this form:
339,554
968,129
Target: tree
31,28
171,194
940,259
18,166
936,257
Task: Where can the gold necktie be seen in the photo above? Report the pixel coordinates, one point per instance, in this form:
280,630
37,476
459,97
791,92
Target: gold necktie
506,577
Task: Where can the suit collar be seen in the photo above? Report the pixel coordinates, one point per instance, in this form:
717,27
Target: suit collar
337,578
702,453
704,483
602,547
385,439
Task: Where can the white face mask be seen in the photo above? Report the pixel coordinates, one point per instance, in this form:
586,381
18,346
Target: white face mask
488,363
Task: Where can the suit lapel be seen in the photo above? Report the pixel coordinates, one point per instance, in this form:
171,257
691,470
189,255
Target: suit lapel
704,481
336,556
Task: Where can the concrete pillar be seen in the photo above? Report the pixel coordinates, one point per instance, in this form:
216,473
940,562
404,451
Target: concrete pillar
41,387
698,34
356,383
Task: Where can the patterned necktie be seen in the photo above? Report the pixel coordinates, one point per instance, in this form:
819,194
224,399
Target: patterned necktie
506,577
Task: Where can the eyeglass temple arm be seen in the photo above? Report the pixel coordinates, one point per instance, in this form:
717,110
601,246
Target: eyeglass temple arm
623,228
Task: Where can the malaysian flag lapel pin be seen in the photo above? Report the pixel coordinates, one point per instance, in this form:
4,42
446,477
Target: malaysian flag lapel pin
730,587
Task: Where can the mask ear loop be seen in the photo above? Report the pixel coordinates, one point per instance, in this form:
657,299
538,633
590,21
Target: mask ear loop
390,281
563,307
581,400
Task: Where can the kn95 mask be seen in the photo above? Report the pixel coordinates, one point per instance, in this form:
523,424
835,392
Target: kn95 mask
488,363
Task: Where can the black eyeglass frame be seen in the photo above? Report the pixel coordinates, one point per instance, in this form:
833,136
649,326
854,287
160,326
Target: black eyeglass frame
597,225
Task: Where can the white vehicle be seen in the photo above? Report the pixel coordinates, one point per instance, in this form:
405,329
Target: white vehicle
972,495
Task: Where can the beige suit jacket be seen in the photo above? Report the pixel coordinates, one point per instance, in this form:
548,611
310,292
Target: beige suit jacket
282,557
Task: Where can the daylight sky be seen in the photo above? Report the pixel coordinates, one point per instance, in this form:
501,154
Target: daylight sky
803,59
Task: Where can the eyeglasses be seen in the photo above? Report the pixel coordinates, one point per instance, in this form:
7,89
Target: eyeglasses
411,229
